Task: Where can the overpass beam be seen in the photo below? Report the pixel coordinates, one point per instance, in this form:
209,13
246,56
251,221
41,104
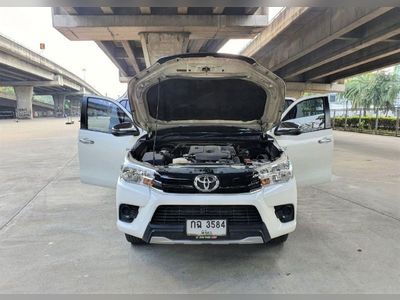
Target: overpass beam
297,89
126,27
381,29
59,102
24,96
295,93
75,106
300,40
160,44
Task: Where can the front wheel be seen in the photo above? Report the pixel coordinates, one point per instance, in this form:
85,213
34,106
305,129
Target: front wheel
134,240
279,240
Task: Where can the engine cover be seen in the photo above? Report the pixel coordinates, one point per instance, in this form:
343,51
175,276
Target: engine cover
211,153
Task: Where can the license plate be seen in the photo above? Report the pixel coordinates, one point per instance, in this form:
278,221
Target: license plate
206,228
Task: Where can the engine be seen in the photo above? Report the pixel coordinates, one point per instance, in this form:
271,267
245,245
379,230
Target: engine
213,154
205,154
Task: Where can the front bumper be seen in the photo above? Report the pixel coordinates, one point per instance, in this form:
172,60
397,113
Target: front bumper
264,200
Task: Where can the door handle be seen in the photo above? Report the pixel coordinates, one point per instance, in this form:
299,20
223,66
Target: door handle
86,141
325,140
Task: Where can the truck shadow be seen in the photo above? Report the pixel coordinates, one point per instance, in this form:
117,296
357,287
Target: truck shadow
194,268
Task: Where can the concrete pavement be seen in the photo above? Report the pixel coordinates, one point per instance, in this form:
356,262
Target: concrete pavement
59,236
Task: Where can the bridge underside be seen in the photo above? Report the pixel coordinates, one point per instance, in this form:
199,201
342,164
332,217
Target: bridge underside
42,85
134,37
312,49
30,73
323,45
9,106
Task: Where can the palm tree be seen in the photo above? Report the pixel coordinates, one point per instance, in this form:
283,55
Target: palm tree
356,91
376,89
392,90
383,91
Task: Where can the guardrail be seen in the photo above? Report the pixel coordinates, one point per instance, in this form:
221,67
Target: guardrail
7,114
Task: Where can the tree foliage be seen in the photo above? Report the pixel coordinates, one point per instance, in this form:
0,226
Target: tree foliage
377,90
7,90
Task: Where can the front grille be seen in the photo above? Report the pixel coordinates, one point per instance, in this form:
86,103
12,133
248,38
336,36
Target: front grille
234,214
229,183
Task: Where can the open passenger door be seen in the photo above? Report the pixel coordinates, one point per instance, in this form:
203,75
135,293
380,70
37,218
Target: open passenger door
101,153
306,135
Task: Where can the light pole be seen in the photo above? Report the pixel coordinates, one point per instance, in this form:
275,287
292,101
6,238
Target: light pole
84,74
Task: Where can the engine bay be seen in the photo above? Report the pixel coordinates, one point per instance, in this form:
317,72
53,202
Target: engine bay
234,157
211,153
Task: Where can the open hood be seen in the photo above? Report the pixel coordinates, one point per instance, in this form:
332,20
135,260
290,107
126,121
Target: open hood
206,89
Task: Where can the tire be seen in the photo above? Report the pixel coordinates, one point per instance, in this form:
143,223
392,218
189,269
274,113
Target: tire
279,240
134,240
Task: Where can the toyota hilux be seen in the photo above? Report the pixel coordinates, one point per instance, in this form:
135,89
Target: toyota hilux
208,152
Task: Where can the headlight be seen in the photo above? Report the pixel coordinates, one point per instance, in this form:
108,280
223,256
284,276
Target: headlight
137,175
276,172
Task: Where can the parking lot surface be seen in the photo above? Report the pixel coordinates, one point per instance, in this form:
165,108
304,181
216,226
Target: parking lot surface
59,236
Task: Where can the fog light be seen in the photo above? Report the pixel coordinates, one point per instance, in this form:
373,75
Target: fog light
127,213
265,181
285,213
147,181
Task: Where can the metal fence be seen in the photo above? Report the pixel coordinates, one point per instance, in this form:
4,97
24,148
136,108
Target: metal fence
367,120
7,114
23,113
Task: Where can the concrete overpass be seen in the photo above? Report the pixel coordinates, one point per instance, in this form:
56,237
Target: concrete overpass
311,48
316,47
8,107
135,37
30,73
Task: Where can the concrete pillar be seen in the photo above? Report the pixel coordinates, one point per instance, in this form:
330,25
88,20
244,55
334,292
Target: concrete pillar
59,101
76,107
159,44
24,96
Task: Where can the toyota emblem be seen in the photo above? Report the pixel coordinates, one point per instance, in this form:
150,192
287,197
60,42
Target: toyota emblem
206,183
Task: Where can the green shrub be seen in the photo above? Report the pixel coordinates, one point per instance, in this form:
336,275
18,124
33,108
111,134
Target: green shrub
385,123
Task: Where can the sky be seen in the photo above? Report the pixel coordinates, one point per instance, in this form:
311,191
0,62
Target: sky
32,26
235,46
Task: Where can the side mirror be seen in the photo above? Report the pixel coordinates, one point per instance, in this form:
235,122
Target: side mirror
288,128
126,128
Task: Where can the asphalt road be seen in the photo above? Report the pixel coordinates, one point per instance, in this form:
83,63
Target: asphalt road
59,236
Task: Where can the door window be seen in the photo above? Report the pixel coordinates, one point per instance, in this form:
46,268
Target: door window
308,115
123,103
103,115
128,106
287,103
